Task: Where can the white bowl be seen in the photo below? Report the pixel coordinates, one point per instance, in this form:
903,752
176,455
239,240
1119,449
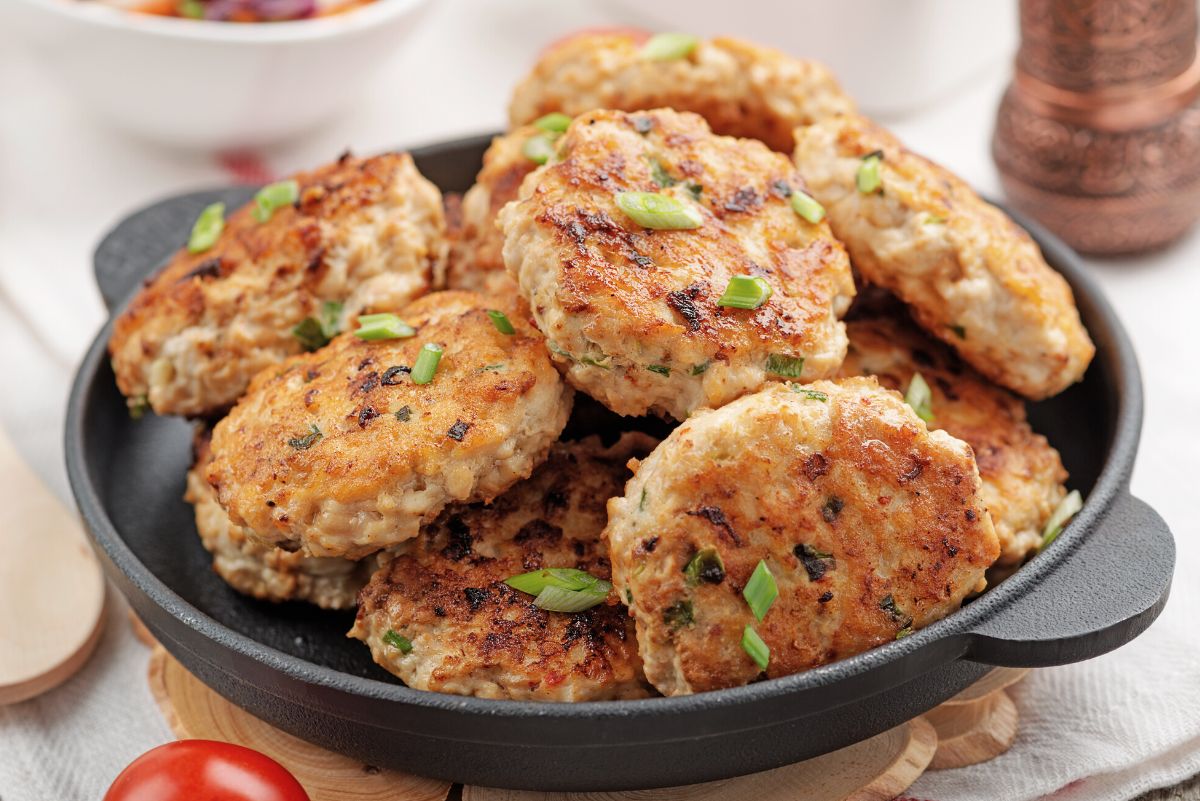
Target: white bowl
200,84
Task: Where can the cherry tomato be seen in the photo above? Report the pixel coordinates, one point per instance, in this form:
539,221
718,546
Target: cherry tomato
205,770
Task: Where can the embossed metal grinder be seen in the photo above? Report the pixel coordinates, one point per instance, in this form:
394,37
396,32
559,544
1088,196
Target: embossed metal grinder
1098,136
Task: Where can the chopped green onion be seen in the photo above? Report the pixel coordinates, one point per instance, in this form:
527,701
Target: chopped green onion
383,326
701,369
1067,508
786,366
315,332
138,406
207,228
694,189
275,196
398,641
920,397
501,321
554,122
761,590
603,361
492,368
427,363
868,179
706,566
308,440
669,46
660,212
538,148
811,394
807,207
660,174
934,219
755,647
679,614
745,292
904,632
661,369
642,501
192,9
404,414
556,599
566,578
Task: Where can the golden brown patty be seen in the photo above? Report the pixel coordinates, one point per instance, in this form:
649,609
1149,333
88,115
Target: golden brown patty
740,88
1022,474
632,312
340,453
365,232
476,253
471,633
268,574
870,524
973,278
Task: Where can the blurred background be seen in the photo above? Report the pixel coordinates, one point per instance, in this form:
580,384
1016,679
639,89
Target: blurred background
104,111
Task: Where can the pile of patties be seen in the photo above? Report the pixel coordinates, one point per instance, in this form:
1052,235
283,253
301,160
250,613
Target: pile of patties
674,228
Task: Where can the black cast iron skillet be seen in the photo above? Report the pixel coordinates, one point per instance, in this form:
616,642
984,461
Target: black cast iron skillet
1097,587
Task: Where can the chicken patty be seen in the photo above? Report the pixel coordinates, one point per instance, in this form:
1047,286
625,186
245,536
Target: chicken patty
476,258
441,617
1022,473
363,233
341,452
633,313
268,574
973,278
870,525
742,89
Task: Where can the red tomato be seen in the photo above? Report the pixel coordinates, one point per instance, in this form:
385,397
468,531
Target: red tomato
205,770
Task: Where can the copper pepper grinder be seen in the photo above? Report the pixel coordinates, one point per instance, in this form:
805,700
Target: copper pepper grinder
1098,136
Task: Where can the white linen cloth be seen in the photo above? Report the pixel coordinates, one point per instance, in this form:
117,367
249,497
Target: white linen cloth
1105,729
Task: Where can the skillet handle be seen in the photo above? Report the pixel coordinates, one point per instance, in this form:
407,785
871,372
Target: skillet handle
1099,597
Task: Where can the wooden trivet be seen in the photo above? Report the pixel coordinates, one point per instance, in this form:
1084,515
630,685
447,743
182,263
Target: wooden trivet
194,711
979,723
51,587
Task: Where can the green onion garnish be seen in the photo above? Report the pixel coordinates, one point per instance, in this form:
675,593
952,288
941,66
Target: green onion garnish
754,645
404,414
934,219
308,440
562,589
383,326
275,196
745,292
669,46
192,9
554,122
427,363
501,321
660,212
660,175
398,641
1067,508
556,599
207,228
706,566
811,394
761,590
138,406
315,332
868,179
701,369
661,369
538,148
807,207
920,397
566,578
786,366
904,632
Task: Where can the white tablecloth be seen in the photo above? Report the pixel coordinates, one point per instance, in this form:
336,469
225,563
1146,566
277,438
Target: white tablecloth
1105,729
